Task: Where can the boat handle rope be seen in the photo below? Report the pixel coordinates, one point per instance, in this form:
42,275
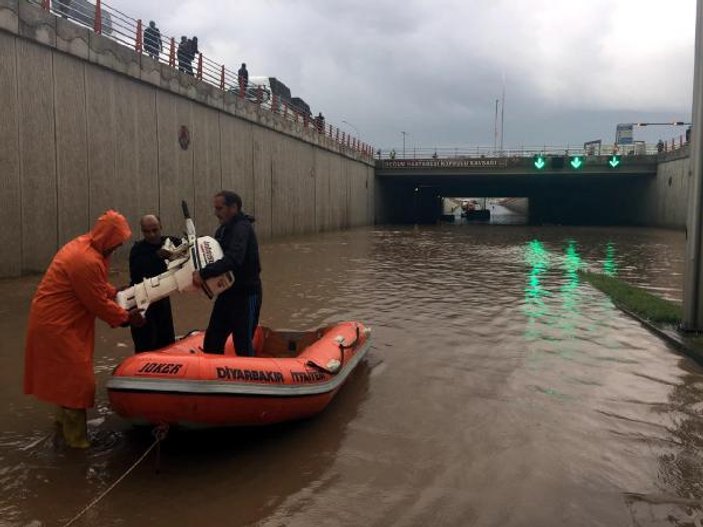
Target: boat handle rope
159,434
342,348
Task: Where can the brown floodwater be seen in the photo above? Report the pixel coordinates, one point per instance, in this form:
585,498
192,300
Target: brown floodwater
500,391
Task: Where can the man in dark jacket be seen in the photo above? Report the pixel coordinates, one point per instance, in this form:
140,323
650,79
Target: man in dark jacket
152,41
185,58
145,261
243,76
236,311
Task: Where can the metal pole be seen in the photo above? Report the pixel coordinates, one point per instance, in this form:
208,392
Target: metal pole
358,134
692,278
502,117
354,127
495,130
139,40
404,134
98,21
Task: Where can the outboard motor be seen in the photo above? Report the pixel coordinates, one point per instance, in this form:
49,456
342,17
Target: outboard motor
192,255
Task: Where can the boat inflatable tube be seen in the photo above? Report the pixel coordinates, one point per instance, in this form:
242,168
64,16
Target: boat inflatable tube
293,375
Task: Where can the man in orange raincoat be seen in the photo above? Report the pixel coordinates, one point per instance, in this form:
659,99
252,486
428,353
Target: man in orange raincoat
61,332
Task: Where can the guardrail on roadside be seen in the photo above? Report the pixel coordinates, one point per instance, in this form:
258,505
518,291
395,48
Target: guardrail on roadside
489,152
112,23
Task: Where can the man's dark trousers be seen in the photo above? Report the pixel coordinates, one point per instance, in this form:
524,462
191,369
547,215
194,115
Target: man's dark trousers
158,331
235,312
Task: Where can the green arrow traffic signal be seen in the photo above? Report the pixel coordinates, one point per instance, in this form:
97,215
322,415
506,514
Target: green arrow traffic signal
539,162
576,162
614,161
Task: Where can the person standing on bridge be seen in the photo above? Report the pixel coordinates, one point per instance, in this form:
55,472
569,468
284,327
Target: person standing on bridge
58,357
152,41
236,310
320,123
243,77
193,50
184,60
146,261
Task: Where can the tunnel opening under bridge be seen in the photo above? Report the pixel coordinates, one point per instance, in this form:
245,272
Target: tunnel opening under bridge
544,200
463,210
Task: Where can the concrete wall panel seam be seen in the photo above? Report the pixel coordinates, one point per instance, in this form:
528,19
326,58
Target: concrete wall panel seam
158,153
10,182
19,149
87,145
56,150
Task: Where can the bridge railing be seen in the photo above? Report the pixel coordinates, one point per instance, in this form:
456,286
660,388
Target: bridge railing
489,152
128,31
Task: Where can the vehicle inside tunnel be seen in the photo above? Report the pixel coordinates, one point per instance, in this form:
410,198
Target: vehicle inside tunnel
487,210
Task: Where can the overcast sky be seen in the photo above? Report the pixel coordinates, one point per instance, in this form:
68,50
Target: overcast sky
573,69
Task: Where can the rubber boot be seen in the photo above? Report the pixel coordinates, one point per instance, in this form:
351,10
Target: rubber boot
58,425
75,428
58,416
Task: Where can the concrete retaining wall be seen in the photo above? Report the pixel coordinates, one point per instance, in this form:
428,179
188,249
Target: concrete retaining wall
665,200
88,125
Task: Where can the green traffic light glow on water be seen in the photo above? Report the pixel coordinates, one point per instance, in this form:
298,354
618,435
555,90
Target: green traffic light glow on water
609,266
539,310
537,263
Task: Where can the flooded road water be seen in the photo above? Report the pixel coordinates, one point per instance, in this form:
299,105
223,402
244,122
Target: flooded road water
500,391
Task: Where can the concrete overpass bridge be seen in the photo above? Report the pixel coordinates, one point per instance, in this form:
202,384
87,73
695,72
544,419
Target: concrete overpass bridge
581,189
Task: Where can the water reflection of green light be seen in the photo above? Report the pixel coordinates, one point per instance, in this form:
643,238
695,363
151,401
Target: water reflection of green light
537,261
609,266
570,290
537,258
557,328
572,264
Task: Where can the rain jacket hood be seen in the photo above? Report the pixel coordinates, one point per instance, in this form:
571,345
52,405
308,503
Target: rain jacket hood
109,231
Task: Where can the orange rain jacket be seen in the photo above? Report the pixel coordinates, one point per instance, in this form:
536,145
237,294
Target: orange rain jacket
61,333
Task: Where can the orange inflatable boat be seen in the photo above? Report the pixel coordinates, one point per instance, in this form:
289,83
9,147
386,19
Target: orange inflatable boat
293,375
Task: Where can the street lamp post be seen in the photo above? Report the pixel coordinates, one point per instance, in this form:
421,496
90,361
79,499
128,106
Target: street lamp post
358,135
404,134
692,301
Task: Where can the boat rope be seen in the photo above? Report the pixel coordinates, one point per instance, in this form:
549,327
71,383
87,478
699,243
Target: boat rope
159,433
342,348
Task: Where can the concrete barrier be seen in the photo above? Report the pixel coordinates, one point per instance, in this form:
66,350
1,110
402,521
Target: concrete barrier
89,124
